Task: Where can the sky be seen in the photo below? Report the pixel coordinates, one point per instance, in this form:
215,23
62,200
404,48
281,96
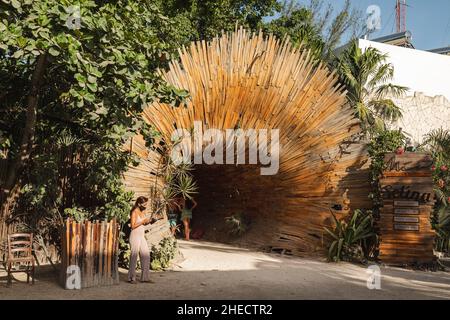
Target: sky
428,20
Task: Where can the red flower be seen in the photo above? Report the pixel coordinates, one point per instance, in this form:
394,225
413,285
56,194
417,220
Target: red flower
444,168
433,168
400,151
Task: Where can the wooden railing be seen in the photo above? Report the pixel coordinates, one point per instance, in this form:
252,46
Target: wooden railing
89,254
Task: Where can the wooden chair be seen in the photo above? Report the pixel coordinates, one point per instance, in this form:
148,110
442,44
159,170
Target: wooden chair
20,250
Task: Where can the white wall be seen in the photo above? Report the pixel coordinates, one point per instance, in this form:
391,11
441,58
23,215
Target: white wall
419,70
427,104
421,114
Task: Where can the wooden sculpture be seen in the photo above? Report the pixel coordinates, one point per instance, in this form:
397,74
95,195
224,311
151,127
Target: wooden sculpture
254,81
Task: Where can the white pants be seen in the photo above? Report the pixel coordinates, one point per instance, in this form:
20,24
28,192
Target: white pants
139,247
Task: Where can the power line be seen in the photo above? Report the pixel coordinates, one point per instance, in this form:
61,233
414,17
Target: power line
389,20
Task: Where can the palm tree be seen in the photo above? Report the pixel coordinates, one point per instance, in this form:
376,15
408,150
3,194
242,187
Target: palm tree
438,143
366,76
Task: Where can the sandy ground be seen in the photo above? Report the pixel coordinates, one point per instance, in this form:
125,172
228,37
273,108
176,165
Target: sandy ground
215,271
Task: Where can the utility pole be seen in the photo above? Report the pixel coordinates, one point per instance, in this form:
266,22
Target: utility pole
400,9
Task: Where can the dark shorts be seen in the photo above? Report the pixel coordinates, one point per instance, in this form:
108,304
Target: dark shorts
186,214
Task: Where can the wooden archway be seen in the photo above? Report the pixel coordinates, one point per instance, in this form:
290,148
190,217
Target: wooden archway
259,82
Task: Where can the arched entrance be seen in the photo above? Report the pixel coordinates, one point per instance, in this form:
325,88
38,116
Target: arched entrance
251,81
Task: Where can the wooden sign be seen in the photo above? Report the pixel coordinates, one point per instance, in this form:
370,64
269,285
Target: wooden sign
406,219
406,211
406,235
406,227
406,203
416,164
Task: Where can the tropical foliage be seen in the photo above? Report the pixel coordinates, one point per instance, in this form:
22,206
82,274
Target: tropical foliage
204,19
366,76
162,255
74,78
178,177
238,223
437,142
353,238
318,25
385,141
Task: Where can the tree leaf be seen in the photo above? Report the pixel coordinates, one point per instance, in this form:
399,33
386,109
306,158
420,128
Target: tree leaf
53,51
16,4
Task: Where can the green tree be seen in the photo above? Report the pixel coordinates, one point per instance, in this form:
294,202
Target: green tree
300,26
87,68
329,24
204,19
366,76
319,27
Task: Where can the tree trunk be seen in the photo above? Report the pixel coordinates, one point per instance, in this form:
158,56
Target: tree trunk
16,165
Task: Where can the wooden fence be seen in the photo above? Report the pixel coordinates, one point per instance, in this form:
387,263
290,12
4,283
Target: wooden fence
91,248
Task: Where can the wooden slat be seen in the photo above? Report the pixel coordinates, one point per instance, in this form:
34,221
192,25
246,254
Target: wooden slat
93,247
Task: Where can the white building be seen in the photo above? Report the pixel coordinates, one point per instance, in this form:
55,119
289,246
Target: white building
427,75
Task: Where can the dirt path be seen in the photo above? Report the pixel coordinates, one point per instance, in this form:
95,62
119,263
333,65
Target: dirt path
214,271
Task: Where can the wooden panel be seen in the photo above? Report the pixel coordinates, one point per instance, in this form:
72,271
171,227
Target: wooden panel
406,235
406,219
406,211
406,227
408,162
94,248
406,203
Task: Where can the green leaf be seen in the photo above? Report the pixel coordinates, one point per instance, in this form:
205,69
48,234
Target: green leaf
92,87
53,51
16,4
92,79
17,54
80,78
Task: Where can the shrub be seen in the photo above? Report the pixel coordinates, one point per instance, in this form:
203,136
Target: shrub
352,239
163,254
238,223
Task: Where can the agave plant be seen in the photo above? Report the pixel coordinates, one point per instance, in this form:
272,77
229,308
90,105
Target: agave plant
67,139
349,237
185,186
178,178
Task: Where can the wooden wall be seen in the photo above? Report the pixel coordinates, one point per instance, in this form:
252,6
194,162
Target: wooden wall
254,81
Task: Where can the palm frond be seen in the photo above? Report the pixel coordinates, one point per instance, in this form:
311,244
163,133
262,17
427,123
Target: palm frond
438,140
384,74
387,109
390,89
